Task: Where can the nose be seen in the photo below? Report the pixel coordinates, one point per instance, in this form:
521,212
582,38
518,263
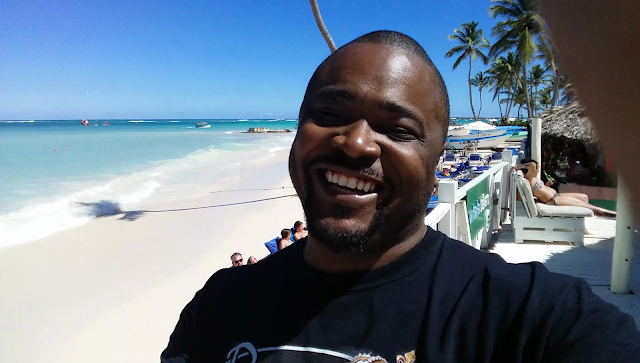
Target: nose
358,141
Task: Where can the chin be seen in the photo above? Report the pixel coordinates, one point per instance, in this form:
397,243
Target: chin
345,236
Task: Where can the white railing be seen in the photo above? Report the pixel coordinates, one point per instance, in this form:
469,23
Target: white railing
451,214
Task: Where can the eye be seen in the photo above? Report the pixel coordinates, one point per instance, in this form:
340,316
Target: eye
328,117
400,134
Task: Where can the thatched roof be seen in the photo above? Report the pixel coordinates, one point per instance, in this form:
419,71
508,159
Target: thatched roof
569,122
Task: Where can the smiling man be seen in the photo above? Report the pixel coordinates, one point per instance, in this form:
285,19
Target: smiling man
371,283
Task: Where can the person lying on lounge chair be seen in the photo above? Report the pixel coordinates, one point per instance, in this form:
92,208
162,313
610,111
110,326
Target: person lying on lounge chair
548,195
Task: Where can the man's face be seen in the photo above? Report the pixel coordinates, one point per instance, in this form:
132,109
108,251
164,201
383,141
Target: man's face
237,261
363,161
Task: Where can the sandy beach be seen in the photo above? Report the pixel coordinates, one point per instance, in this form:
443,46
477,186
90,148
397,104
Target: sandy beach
112,289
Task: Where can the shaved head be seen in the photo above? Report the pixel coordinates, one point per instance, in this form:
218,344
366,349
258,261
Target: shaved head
440,96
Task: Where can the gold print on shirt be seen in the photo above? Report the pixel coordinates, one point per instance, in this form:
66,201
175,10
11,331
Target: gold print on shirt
407,358
366,358
247,353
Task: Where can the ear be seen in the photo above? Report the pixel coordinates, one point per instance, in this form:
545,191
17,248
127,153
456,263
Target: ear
444,147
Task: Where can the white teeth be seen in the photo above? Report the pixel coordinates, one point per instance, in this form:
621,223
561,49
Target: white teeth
349,182
342,180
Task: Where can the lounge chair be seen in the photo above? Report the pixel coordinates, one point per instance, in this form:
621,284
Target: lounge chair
495,158
475,160
272,245
449,161
541,222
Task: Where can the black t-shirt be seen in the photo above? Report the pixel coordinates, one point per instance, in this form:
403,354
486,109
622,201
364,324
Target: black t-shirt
443,301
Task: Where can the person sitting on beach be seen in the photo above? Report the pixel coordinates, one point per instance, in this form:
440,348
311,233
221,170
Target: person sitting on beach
285,240
548,195
372,282
252,260
300,231
236,260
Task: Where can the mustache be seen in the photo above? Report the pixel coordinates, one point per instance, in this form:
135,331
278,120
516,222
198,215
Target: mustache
361,166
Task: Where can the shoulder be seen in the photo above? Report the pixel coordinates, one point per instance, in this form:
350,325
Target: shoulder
256,276
496,276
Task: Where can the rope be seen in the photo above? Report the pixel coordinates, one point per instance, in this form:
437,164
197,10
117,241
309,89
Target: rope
220,205
247,190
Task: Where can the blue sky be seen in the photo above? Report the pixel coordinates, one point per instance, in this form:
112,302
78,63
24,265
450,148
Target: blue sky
200,59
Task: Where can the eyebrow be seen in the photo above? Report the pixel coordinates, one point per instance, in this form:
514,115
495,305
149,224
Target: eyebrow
336,91
403,111
340,92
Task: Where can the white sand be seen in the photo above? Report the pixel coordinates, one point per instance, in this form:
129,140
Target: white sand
112,290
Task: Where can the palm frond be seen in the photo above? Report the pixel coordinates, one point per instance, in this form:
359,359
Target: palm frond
460,59
455,51
482,57
526,46
506,42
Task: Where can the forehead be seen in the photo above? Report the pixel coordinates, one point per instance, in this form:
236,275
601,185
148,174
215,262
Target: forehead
380,73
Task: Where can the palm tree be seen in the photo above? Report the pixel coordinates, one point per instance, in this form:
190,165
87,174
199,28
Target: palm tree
481,82
323,29
471,44
547,55
503,76
523,23
520,98
544,97
537,77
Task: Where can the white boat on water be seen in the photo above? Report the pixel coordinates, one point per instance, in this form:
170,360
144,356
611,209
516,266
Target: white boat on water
477,129
478,134
481,142
202,125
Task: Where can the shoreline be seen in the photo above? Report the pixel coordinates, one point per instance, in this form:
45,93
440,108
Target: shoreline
64,205
122,283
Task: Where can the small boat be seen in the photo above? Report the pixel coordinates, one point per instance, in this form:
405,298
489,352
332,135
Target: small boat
517,133
202,125
84,123
481,142
105,123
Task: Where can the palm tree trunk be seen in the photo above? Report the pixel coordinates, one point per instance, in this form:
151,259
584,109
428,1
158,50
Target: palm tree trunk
519,109
510,102
526,89
321,26
470,95
480,109
499,106
556,85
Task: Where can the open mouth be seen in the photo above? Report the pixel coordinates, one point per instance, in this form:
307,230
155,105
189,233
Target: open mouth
350,183
349,187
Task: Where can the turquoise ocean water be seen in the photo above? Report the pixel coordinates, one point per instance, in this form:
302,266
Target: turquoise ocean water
125,162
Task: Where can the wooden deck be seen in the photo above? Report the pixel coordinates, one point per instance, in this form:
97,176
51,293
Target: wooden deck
591,262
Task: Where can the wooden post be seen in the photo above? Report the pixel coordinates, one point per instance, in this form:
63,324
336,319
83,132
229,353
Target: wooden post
507,156
447,194
536,142
623,243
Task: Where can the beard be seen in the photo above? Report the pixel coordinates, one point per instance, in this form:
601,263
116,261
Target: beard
386,229
339,240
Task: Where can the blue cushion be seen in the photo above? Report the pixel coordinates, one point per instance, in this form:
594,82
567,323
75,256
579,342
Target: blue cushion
272,245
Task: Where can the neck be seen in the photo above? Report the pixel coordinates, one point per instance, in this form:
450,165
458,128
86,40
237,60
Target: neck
319,256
